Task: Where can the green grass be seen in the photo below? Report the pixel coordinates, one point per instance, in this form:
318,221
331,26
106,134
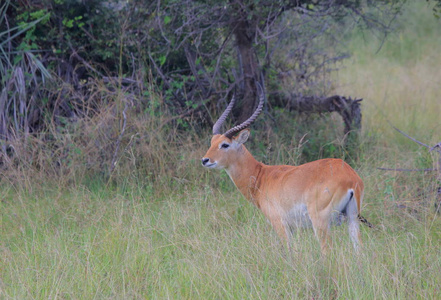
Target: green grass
399,81
192,236
200,243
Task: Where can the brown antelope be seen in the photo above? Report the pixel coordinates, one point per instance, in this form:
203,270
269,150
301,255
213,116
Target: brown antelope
317,193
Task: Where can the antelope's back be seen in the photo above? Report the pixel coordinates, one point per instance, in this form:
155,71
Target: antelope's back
321,181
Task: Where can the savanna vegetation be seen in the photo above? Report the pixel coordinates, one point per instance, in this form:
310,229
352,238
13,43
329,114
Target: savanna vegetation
102,193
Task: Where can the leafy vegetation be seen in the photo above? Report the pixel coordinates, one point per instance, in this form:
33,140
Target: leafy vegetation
193,55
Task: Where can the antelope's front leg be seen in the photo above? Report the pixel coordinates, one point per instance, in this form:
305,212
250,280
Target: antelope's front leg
279,225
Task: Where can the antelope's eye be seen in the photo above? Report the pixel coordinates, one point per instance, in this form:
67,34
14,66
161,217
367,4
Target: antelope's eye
225,146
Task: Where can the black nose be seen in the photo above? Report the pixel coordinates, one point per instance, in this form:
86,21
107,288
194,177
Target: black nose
205,160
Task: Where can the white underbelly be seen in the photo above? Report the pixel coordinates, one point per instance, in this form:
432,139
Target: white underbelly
298,216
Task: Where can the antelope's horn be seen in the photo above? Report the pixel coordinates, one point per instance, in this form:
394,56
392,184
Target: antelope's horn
217,126
230,133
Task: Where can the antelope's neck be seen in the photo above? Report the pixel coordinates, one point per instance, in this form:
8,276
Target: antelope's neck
245,174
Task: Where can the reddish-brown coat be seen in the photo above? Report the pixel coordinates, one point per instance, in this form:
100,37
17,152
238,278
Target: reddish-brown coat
278,191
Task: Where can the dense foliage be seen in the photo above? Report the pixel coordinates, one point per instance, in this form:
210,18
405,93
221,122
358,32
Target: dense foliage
63,62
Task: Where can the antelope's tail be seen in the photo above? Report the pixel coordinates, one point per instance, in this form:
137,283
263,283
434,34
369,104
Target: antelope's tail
364,221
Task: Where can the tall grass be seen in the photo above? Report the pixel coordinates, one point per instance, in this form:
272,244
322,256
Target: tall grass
399,79
160,227
198,243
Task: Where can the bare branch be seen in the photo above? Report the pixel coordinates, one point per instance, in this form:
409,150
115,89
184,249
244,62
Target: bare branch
409,137
407,170
85,63
437,147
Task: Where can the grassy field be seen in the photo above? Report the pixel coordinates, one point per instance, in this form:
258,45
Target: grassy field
194,237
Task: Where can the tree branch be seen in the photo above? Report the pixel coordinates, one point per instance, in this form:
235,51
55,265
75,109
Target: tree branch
409,137
437,147
407,170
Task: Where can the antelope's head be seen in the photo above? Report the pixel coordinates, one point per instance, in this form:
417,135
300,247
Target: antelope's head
226,148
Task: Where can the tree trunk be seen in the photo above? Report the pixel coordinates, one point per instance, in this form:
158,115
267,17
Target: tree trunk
348,109
249,70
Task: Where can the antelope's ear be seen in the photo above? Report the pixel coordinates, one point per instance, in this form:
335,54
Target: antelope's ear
242,137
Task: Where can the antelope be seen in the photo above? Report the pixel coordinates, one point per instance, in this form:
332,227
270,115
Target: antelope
314,194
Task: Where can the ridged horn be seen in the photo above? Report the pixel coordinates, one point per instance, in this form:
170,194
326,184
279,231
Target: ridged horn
230,133
217,126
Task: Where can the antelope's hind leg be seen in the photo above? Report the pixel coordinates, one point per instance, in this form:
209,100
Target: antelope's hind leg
321,228
353,224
